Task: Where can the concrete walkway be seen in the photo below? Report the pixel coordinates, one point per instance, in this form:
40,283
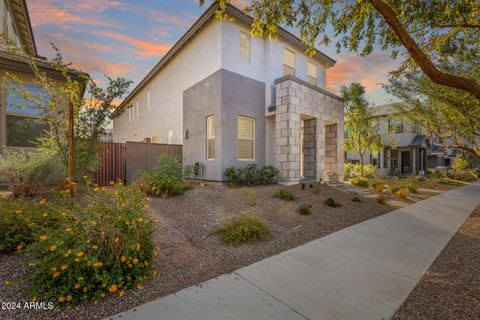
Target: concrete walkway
365,271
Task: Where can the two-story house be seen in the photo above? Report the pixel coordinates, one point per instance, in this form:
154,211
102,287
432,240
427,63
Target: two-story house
407,149
231,99
21,120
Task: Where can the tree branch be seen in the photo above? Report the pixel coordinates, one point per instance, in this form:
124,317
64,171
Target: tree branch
427,66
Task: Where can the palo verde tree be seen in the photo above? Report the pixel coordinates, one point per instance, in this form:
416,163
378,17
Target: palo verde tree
361,128
91,112
429,31
451,117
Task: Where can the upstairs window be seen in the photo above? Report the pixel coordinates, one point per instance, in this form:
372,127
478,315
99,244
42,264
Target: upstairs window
246,138
312,74
395,125
211,137
416,127
244,46
288,62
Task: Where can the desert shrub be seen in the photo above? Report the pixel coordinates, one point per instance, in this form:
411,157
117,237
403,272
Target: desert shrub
356,199
332,176
397,186
249,195
305,209
166,179
332,203
376,182
352,170
463,175
403,193
251,175
244,228
361,182
284,194
435,174
29,172
381,199
317,186
101,245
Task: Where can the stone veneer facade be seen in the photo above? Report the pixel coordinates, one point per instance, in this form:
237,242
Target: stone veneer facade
322,112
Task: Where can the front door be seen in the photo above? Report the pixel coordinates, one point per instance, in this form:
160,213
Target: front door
406,165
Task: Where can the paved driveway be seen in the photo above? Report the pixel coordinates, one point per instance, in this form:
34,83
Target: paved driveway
365,271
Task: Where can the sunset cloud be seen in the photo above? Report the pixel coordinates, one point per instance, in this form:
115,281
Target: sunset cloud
144,48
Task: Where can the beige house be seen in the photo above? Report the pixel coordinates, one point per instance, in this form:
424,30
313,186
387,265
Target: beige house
20,121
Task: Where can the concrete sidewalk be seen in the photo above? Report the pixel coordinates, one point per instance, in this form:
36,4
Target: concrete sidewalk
365,271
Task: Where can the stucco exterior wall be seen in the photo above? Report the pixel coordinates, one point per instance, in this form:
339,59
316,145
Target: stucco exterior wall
199,59
226,95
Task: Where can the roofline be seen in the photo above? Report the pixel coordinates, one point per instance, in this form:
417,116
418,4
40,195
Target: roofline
197,26
29,26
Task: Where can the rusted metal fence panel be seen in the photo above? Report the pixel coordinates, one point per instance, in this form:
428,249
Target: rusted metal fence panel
112,164
143,156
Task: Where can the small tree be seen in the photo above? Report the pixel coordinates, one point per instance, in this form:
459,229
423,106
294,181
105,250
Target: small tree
361,128
91,114
459,166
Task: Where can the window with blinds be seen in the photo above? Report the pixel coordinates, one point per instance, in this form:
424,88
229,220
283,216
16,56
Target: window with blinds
312,74
246,138
288,62
211,137
244,46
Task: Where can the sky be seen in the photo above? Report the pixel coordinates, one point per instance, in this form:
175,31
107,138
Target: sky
128,37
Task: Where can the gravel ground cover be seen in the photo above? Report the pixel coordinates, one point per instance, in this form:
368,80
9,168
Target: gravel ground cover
191,251
450,289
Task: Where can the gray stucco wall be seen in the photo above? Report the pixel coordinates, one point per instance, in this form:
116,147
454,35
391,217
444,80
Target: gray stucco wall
227,95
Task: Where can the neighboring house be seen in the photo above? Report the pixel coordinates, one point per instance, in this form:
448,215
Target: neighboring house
232,99
407,150
20,120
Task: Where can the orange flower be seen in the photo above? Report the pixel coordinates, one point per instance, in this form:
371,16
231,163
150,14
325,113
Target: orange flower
56,274
135,261
98,264
121,293
111,183
67,191
139,286
80,254
77,260
61,299
64,267
94,223
140,219
94,247
43,237
113,288
77,286
43,201
69,298
53,248
96,189
104,189
123,258
68,230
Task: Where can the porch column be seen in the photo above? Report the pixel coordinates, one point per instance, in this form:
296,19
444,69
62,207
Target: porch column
287,147
340,151
321,152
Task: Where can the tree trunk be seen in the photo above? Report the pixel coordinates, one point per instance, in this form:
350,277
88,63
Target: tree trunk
437,76
361,166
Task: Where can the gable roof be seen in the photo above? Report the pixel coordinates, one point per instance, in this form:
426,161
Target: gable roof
24,27
209,14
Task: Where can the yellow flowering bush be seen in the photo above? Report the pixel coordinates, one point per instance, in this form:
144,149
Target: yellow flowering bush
91,251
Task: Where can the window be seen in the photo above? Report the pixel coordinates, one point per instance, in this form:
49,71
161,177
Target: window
24,116
288,62
416,128
395,125
312,74
246,138
244,46
211,137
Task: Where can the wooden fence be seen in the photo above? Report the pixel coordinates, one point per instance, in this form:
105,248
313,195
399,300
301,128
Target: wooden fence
126,161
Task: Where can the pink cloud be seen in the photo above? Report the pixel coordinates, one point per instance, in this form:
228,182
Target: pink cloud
49,12
144,48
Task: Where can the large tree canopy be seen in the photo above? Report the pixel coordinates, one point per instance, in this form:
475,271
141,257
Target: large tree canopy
430,30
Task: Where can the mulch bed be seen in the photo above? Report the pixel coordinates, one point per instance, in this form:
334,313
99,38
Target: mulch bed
192,252
450,289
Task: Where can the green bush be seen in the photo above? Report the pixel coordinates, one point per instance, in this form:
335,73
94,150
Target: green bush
244,228
463,175
317,187
352,170
332,203
101,245
284,194
251,175
361,182
397,186
250,196
305,209
356,199
166,179
29,172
